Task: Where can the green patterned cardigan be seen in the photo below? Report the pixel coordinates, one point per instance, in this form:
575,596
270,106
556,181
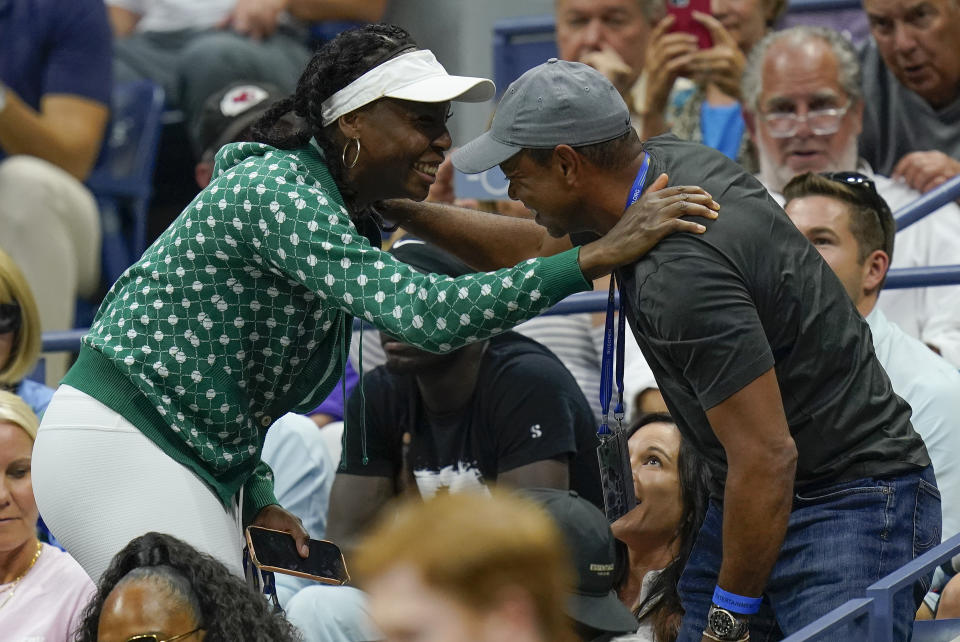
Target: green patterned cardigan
241,311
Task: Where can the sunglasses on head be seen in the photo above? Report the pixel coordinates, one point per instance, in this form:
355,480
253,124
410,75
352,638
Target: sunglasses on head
10,317
153,637
865,186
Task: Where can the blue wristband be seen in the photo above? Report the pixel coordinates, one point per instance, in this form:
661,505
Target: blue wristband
736,603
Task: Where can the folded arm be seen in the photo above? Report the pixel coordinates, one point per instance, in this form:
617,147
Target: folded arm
67,131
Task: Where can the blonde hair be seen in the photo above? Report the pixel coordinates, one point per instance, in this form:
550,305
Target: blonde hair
26,343
15,410
471,547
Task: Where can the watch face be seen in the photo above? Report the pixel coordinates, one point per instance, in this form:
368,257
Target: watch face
722,623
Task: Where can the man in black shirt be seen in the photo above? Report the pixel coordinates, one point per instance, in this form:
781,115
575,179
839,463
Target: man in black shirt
760,355
504,411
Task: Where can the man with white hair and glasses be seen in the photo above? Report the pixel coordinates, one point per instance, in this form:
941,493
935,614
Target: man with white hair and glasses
804,110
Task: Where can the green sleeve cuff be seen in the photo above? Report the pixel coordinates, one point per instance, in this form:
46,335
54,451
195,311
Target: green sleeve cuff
562,275
258,492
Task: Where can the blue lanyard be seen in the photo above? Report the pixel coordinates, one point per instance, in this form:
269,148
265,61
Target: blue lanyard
607,360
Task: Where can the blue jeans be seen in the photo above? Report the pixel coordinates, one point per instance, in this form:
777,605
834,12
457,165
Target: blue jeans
840,540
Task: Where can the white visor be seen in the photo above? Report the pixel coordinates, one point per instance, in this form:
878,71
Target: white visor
415,76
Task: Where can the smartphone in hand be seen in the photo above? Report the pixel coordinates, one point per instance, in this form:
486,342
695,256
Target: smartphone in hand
276,551
682,11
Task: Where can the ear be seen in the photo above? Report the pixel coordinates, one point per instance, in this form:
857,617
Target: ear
569,163
351,124
203,173
750,120
857,109
874,270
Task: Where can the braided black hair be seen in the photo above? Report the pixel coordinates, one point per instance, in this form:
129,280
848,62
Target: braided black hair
334,66
229,610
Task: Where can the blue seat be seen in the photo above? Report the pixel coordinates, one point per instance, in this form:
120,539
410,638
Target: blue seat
520,44
321,32
122,179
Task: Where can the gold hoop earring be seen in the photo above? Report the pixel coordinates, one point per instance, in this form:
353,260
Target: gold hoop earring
343,156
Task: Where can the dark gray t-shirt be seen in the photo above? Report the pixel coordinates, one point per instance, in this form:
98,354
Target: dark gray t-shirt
897,121
713,312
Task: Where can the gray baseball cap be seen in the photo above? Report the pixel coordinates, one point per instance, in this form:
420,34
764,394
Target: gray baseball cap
556,103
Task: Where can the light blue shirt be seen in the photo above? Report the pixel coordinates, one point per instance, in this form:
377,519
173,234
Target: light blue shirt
722,128
932,388
36,395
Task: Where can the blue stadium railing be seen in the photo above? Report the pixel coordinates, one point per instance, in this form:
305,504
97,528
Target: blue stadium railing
871,617
928,203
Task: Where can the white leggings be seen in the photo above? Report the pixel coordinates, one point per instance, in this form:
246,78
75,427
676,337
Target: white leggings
99,482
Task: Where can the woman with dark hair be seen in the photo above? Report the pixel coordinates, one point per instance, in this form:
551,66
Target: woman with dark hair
672,495
241,311
161,589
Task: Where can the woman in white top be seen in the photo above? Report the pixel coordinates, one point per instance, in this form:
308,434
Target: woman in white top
672,496
42,589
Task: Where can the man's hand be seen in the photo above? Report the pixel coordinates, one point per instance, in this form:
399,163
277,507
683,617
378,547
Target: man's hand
255,18
723,63
609,63
655,215
924,171
277,518
442,190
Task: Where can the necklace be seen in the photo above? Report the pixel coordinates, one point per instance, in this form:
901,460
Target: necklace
16,581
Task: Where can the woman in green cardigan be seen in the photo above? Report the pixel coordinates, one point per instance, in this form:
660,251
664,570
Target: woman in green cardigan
241,311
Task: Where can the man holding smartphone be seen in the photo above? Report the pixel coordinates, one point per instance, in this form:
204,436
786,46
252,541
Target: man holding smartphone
810,458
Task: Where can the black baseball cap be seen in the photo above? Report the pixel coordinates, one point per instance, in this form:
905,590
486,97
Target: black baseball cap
593,549
229,111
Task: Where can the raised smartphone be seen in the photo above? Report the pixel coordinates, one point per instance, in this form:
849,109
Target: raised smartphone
682,11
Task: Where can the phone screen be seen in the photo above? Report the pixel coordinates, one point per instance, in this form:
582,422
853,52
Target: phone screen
279,550
682,11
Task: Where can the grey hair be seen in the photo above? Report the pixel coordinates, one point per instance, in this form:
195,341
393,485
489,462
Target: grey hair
848,66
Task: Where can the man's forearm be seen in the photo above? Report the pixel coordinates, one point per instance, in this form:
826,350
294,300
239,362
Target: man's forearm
756,508
482,240
23,130
354,10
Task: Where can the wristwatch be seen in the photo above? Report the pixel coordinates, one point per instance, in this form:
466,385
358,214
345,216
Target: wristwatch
726,625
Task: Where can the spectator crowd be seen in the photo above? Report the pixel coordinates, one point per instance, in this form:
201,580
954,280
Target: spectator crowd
329,343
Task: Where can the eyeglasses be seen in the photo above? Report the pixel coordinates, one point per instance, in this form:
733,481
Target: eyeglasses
153,637
821,122
10,317
872,199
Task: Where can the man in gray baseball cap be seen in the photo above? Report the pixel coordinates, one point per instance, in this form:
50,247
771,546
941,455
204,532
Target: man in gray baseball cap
550,103
734,324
